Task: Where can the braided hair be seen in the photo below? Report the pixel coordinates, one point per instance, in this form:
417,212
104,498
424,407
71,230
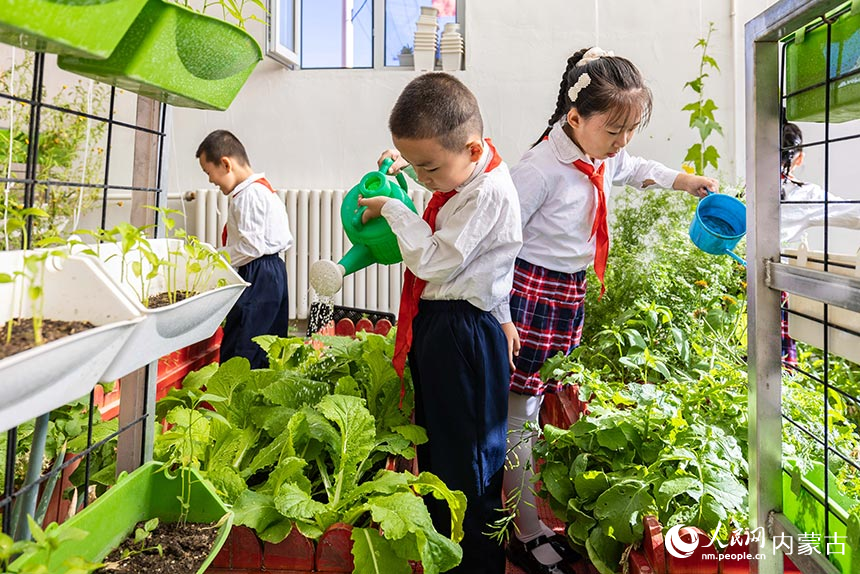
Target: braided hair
792,140
616,88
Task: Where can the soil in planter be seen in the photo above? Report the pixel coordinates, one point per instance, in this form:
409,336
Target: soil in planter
22,334
184,547
163,299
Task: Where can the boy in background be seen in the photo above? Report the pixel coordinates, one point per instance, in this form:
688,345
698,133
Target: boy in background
257,232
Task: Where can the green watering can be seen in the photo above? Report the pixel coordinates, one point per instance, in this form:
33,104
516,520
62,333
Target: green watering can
372,242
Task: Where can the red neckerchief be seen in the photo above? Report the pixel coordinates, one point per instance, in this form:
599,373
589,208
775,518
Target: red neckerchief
262,180
413,287
600,228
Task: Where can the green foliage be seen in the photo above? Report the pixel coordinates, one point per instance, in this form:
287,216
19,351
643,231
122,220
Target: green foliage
304,443
185,442
643,452
236,9
70,149
67,432
702,154
653,263
140,264
47,541
141,535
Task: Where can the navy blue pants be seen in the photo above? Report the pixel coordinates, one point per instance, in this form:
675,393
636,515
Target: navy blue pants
263,309
459,364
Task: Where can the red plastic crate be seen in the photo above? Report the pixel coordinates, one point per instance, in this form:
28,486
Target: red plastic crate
172,369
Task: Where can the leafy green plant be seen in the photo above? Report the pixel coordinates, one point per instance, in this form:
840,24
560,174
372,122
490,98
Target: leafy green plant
141,535
15,218
31,283
66,432
701,154
70,147
645,454
185,442
47,540
236,9
653,262
305,443
141,264
200,260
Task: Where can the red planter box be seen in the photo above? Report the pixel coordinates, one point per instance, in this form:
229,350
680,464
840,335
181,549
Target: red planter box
172,369
244,552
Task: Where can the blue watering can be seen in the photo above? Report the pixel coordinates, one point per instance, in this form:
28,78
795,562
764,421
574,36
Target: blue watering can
719,224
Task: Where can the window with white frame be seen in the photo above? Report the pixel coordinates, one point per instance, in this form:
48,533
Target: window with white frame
340,33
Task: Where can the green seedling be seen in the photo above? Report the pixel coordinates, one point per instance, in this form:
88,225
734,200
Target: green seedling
700,154
187,441
141,535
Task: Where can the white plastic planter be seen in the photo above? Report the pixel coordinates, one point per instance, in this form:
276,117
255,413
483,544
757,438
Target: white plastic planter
451,61
43,378
424,59
175,326
839,342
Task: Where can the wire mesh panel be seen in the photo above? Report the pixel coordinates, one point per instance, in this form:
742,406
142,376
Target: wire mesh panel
64,143
803,97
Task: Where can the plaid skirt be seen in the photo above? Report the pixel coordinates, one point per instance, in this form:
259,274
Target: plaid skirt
789,349
548,308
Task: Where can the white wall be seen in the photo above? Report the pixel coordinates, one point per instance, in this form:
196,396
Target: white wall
325,128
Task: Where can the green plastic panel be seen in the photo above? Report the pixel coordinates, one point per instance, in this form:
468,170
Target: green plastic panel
803,504
805,65
143,494
70,27
175,55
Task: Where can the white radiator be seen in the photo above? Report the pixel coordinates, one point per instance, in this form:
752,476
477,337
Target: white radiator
315,222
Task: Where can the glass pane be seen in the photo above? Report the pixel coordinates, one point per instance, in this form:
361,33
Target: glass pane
337,34
286,24
400,19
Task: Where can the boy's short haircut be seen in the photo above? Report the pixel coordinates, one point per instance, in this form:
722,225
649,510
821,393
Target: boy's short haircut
222,143
437,105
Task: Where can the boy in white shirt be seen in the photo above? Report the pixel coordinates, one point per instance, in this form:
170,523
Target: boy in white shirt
460,258
256,233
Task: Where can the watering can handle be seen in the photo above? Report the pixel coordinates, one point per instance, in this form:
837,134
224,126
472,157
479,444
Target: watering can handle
383,169
386,165
736,257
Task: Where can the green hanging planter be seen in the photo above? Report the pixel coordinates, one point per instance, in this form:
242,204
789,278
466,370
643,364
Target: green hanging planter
144,494
803,503
175,55
806,64
72,27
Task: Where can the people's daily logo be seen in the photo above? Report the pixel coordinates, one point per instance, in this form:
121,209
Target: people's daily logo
676,546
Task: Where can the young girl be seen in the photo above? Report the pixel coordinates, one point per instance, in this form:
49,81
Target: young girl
801,207
563,183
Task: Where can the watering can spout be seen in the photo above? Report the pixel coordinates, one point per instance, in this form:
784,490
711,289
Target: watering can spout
356,259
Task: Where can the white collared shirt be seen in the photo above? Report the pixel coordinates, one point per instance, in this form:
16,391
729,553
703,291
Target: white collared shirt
257,222
478,235
559,202
796,218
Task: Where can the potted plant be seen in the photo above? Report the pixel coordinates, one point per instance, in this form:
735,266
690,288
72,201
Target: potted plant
69,149
147,493
176,55
806,57
406,57
199,286
74,27
37,286
307,446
